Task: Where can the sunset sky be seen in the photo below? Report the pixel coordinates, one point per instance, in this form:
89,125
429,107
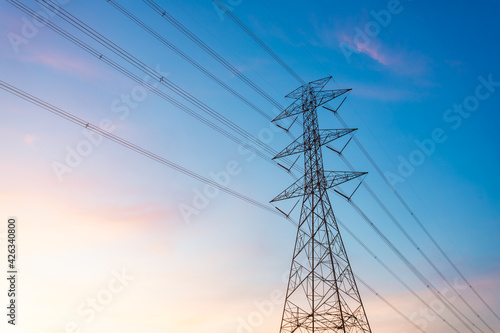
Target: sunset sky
111,241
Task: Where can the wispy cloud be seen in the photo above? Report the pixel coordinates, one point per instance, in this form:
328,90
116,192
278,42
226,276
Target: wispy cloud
399,61
374,53
373,50
30,139
64,63
342,33
43,54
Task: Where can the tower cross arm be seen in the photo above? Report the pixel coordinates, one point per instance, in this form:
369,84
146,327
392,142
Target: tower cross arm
321,97
325,96
292,191
293,109
316,85
332,179
326,136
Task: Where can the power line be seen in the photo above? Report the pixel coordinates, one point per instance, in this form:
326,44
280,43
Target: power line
169,18
300,80
414,243
187,58
267,49
393,274
193,62
389,304
259,41
415,217
371,289
452,308
322,293
69,18
383,176
135,148
140,81
255,38
147,28
83,123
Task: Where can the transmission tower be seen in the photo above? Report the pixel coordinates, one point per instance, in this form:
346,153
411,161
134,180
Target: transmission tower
322,295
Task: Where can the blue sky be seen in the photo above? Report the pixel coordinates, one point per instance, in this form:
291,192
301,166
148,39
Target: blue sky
224,268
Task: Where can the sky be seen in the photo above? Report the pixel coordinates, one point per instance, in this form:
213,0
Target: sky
109,240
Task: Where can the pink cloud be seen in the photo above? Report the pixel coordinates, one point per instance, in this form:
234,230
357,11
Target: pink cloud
374,53
64,63
402,62
78,64
30,139
142,214
372,48
341,34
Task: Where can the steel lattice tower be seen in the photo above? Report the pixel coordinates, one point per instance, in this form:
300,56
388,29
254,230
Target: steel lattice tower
322,295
